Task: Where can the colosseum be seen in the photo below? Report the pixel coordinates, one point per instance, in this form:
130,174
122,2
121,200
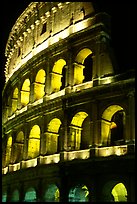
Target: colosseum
68,119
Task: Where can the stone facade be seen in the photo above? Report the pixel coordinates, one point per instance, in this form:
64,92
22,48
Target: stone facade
68,119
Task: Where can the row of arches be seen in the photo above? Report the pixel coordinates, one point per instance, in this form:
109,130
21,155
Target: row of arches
52,140
112,192
41,30
48,82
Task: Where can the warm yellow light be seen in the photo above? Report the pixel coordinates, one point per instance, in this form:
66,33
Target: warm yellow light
39,84
78,65
54,125
52,136
30,51
78,73
57,74
79,118
120,150
25,92
119,193
106,121
31,163
81,154
15,100
57,195
8,150
75,130
82,55
34,142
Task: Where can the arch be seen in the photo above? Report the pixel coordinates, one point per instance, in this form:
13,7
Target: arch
79,193
18,147
82,55
15,100
8,150
52,194
58,75
15,196
76,127
39,84
78,119
4,197
108,124
119,193
83,66
114,191
52,136
34,142
30,195
25,92
54,125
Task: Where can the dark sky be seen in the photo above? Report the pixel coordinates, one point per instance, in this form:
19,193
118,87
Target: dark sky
123,20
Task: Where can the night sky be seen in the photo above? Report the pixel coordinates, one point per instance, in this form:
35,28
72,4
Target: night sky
123,21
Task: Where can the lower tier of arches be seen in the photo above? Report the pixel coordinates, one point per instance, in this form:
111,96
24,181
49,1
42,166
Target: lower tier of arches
92,180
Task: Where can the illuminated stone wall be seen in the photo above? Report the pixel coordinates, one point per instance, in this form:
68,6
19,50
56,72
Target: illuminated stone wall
39,22
64,109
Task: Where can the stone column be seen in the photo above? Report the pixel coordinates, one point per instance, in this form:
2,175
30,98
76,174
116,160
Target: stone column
103,61
130,119
19,97
66,76
96,124
48,79
26,138
64,139
78,73
32,83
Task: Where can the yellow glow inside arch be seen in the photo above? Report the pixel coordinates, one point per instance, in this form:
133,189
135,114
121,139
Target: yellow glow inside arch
18,147
75,130
20,137
34,142
57,74
78,65
25,92
52,135
79,118
106,121
15,100
8,150
82,55
39,84
54,125
119,193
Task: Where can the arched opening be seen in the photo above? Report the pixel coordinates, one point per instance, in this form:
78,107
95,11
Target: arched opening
34,142
79,131
88,65
18,147
52,136
39,84
8,150
4,197
58,76
83,66
30,195
15,100
79,193
52,194
15,196
119,193
116,128
25,92
114,191
112,125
